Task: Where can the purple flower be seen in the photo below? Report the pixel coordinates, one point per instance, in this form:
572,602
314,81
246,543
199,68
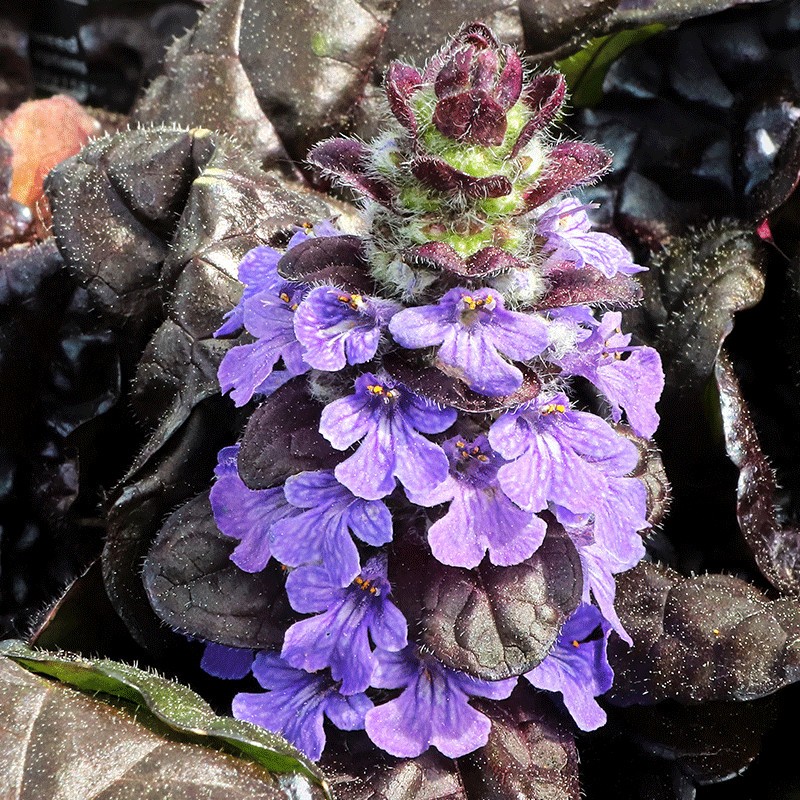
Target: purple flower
480,516
473,331
230,663
629,377
337,328
269,316
322,531
389,418
339,637
577,667
246,514
297,702
558,455
433,709
568,237
258,271
598,568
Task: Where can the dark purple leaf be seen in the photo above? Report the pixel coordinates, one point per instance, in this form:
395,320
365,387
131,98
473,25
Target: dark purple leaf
15,218
177,471
704,279
544,97
206,86
348,161
776,547
650,471
400,83
101,222
282,438
710,743
196,589
711,637
493,259
339,260
491,622
446,390
308,64
359,771
771,160
440,176
530,755
570,164
575,287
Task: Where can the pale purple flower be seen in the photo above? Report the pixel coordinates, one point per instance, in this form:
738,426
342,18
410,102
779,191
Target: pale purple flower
578,668
389,418
346,618
631,378
558,455
246,514
321,532
230,663
258,271
598,569
296,704
269,316
433,709
473,332
337,328
480,516
568,236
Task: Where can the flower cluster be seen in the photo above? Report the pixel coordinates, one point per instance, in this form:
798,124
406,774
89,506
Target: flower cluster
446,351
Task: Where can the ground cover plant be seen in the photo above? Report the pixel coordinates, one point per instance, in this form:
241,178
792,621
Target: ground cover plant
435,428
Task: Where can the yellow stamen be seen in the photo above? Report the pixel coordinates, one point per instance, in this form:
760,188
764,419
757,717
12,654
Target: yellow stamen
576,643
553,408
355,301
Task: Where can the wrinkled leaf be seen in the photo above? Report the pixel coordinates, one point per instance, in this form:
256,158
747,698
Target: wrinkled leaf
711,637
530,755
776,547
491,622
194,586
709,743
359,771
703,280
176,706
586,69
181,469
650,471
205,86
274,448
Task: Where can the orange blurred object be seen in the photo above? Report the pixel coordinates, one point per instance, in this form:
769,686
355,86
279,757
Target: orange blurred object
42,133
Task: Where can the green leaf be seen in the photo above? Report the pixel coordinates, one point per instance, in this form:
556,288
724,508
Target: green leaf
177,706
586,69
